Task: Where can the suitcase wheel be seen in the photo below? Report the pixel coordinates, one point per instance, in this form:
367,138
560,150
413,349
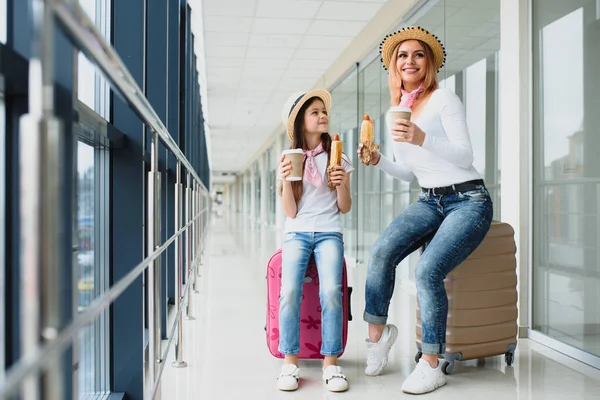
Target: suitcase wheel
418,356
509,357
448,367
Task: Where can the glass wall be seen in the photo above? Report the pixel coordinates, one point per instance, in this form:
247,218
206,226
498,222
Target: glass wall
344,121
93,348
3,21
566,211
471,34
93,89
2,229
91,220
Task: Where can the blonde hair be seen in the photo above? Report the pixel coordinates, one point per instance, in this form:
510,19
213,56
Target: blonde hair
430,82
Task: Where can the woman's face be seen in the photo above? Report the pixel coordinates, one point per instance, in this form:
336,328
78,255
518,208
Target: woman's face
316,120
411,62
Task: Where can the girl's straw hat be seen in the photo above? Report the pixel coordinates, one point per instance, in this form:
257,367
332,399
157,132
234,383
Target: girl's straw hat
295,103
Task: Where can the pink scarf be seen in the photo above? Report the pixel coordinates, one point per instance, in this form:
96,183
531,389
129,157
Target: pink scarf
311,172
409,98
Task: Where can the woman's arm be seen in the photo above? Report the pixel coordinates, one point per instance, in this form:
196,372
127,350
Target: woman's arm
457,147
394,169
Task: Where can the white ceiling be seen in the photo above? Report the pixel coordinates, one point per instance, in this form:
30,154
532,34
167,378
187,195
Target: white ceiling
253,54
259,52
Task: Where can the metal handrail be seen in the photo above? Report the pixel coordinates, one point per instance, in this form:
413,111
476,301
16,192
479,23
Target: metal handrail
576,181
81,30
43,356
38,357
176,323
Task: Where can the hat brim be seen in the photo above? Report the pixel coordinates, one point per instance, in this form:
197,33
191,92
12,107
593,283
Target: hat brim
390,42
322,94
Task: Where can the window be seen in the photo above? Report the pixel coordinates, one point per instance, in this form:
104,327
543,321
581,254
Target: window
3,21
86,263
566,252
2,230
475,107
96,95
92,272
92,350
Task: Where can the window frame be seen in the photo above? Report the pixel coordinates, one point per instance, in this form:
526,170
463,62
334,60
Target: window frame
2,226
91,128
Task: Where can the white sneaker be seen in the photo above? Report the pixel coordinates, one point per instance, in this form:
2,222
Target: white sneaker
288,378
377,353
334,379
424,379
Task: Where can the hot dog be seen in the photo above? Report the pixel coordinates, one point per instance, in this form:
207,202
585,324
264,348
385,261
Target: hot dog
367,137
335,157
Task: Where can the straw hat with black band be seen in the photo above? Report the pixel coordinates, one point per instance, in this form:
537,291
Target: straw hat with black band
391,41
295,103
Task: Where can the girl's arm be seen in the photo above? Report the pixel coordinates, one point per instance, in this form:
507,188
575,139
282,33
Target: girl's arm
340,176
344,200
289,204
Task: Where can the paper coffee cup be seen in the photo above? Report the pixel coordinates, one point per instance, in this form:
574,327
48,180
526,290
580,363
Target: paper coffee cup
399,113
296,156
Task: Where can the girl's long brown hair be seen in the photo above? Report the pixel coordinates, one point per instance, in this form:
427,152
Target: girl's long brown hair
298,143
430,82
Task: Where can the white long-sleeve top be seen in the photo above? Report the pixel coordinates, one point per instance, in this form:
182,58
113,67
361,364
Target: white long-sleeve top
446,157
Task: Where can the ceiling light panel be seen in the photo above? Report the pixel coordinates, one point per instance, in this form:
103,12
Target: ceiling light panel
336,28
296,9
227,24
275,52
275,40
229,8
337,10
217,39
281,25
326,42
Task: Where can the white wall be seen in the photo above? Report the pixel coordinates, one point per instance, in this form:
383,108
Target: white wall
516,139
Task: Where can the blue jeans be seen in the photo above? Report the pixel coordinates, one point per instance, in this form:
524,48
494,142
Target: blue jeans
328,249
452,226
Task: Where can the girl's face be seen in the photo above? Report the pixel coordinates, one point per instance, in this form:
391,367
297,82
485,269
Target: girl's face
411,62
316,120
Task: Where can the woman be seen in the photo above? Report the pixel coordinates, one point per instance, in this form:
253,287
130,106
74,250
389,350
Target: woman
453,212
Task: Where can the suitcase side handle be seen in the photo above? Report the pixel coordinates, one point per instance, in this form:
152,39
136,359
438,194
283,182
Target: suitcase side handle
349,303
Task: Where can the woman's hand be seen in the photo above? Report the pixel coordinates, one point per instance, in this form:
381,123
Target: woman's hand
339,177
375,155
285,167
405,131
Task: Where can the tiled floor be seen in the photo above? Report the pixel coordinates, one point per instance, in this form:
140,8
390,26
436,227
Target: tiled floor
228,358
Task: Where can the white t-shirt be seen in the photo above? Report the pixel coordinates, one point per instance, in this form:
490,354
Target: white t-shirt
446,157
318,210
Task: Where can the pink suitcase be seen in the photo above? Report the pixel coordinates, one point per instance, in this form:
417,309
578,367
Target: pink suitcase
310,309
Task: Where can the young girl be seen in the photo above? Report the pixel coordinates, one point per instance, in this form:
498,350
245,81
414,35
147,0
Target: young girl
312,226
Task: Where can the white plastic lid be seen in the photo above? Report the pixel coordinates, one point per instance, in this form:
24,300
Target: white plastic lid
398,108
292,151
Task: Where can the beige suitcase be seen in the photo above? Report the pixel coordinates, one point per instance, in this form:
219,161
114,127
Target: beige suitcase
482,302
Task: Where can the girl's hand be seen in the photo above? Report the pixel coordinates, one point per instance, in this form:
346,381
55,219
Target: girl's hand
339,177
285,167
405,131
375,155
